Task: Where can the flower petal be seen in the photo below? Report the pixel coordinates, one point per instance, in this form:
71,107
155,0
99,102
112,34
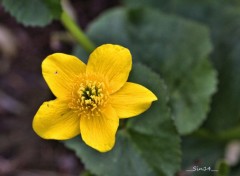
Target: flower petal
132,99
54,120
99,131
113,62
59,71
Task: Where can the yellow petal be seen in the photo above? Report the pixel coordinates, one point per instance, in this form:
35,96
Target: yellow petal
99,131
132,99
59,70
113,62
54,120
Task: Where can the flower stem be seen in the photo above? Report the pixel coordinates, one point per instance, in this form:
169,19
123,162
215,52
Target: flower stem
77,32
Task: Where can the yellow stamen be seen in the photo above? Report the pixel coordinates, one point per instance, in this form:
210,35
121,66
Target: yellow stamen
89,96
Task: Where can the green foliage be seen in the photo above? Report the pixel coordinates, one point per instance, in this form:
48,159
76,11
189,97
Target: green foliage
223,168
225,112
223,19
167,44
55,7
200,9
193,105
33,12
148,144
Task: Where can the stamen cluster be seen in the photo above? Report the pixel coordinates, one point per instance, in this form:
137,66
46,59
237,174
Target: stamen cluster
89,97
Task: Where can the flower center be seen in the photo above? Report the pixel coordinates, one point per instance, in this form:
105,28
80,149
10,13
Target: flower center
89,97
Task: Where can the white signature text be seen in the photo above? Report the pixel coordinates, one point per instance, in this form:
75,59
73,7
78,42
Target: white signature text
203,169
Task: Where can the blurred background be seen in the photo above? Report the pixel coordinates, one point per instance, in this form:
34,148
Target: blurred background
23,90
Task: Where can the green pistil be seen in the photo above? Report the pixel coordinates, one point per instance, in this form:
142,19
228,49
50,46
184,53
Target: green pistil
89,93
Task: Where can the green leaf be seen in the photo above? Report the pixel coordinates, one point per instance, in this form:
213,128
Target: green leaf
55,7
174,48
148,145
198,87
201,10
222,17
33,12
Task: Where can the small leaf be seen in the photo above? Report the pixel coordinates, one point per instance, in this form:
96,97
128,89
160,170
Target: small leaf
33,12
148,145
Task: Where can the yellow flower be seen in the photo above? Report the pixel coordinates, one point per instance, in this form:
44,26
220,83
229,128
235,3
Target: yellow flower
90,98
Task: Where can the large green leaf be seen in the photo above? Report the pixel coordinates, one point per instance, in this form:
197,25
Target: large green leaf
33,12
223,18
148,145
175,48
